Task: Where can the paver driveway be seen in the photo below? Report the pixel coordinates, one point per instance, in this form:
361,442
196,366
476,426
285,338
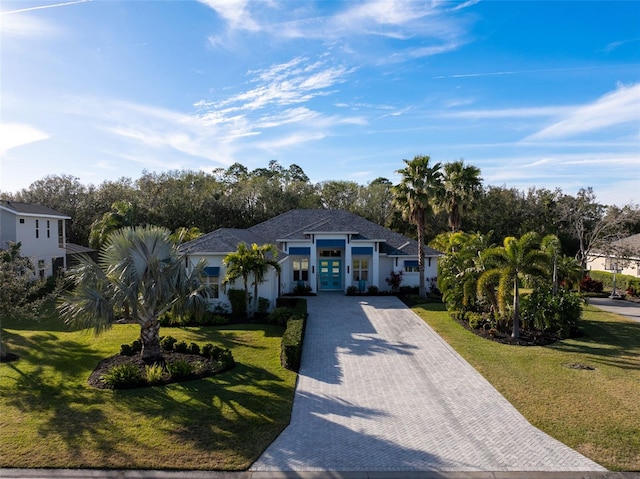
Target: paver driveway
379,390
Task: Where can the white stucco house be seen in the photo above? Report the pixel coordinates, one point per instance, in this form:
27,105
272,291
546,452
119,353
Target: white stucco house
324,250
40,230
623,256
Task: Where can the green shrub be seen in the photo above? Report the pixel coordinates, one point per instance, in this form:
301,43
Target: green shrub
352,291
559,313
373,290
193,349
167,342
280,316
131,349
122,376
238,302
181,347
476,320
263,305
292,339
154,373
180,369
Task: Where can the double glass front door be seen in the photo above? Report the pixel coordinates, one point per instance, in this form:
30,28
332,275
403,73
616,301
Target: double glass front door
330,274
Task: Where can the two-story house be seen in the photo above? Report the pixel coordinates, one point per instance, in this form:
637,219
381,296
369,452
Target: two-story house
41,232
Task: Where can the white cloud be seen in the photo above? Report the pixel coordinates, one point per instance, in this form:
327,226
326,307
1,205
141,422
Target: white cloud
619,107
510,112
13,135
234,12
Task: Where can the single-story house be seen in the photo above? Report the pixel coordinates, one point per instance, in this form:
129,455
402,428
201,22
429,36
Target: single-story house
623,256
41,232
322,250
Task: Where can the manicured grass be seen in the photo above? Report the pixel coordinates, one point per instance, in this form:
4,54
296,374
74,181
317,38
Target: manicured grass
50,417
596,412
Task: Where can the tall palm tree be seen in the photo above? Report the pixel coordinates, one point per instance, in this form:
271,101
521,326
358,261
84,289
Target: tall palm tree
264,258
461,190
139,268
250,261
552,246
416,197
510,263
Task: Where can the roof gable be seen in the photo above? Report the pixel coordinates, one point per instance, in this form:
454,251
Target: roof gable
28,209
299,224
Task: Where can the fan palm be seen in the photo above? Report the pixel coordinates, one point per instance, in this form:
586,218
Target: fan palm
510,263
415,196
140,269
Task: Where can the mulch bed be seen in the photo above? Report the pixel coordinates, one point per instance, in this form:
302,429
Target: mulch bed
106,364
527,337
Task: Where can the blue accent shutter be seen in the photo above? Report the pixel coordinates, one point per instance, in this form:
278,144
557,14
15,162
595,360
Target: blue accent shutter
362,250
300,250
411,264
212,271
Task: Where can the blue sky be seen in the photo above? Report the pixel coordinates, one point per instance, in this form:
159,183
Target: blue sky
536,94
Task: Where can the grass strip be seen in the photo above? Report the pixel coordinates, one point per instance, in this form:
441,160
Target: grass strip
50,417
595,411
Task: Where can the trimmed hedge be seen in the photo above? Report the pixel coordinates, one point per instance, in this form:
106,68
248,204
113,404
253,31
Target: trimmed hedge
292,339
623,281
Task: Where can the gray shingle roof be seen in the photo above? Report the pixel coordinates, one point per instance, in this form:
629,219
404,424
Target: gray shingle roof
30,209
297,224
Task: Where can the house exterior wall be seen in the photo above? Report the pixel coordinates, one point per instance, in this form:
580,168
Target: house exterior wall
42,248
605,263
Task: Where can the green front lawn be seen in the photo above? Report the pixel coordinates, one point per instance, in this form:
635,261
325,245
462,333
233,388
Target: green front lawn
50,417
596,412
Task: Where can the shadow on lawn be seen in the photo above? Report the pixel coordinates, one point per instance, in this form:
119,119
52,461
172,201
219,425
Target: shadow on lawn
611,343
241,410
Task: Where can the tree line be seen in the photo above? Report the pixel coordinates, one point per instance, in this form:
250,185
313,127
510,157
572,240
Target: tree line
237,197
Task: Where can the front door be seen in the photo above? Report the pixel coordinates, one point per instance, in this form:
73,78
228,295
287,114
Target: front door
330,276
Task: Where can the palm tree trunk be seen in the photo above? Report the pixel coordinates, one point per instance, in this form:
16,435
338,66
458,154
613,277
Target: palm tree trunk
422,290
247,297
150,338
516,310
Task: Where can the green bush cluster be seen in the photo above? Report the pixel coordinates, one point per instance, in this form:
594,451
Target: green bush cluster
123,376
207,319
624,282
238,302
292,339
280,316
558,314
131,349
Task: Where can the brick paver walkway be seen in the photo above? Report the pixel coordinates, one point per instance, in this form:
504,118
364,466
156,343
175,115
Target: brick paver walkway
379,390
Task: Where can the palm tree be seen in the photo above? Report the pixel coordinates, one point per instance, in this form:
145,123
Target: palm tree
250,261
121,215
142,269
264,258
416,196
461,190
551,245
511,262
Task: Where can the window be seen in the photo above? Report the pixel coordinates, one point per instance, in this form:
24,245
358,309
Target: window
361,269
37,228
331,253
411,266
21,221
60,234
612,263
211,278
301,269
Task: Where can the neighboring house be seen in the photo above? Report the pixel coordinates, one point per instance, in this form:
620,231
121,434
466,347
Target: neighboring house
624,257
41,232
324,250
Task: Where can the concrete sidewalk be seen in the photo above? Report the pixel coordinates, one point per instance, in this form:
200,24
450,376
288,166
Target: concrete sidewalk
379,390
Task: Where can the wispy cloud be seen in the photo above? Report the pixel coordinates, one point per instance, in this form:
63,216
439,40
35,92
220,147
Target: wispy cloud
619,107
13,135
515,72
41,7
529,112
441,29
